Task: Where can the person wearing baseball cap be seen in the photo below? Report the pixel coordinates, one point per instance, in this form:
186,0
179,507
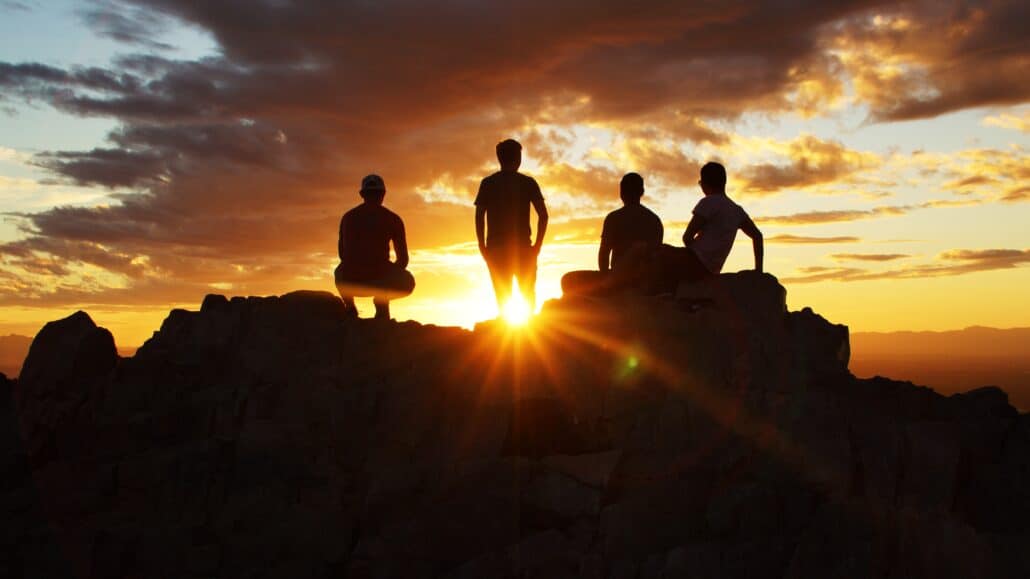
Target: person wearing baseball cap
365,269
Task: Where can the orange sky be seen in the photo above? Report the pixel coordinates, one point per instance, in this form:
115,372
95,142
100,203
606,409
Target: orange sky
158,150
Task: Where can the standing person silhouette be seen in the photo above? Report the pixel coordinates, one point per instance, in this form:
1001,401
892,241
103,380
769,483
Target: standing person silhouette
502,225
629,238
365,269
710,233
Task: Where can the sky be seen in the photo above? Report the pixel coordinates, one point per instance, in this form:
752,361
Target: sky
154,151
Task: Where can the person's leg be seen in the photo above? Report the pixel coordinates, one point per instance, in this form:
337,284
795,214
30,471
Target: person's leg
382,305
348,302
498,262
527,276
585,283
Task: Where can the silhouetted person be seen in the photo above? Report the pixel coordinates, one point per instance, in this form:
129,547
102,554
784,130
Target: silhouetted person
365,268
502,225
629,238
710,233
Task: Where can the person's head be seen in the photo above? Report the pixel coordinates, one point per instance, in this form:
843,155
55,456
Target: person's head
631,188
713,178
373,189
509,154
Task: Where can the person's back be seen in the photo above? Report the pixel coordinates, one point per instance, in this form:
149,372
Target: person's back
629,227
507,197
366,231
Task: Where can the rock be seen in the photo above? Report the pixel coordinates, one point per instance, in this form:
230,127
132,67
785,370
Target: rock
634,437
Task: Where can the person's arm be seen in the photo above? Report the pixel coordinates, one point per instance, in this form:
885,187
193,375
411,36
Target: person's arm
541,222
481,228
604,255
340,243
696,226
749,229
400,245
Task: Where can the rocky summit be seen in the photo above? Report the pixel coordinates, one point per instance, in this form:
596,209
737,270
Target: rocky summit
708,434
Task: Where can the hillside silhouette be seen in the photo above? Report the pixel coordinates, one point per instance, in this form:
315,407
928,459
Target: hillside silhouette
949,362
633,437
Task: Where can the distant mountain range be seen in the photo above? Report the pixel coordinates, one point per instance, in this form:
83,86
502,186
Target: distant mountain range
952,361
13,349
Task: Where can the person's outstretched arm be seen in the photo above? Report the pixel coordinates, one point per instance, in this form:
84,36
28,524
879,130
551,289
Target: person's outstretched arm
481,228
340,243
400,246
604,256
696,225
541,222
749,228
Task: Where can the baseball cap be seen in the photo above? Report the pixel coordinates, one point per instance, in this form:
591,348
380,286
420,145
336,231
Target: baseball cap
373,182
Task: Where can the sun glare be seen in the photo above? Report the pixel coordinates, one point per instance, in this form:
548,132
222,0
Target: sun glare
516,311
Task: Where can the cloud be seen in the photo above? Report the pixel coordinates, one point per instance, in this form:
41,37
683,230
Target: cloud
1017,194
808,240
234,168
809,161
1019,121
950,263
925,58
134,26
868,256
819,217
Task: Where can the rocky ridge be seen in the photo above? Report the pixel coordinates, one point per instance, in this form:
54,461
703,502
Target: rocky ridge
632,438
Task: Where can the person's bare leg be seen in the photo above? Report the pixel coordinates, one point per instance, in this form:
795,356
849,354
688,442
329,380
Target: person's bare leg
382,308
348,304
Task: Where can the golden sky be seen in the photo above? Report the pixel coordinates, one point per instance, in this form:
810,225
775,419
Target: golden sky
154,151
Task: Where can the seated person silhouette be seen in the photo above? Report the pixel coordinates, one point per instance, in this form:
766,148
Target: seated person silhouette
502,225
629,238
709,235
365,268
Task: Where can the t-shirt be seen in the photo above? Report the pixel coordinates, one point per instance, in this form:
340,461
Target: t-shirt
506,196
365,235
629,226
723,218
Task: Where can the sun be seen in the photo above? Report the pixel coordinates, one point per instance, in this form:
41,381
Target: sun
516,311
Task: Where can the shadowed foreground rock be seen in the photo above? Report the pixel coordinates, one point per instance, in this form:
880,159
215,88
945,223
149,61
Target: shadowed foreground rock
637,438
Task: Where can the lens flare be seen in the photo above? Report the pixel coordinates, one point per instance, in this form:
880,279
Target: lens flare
516,311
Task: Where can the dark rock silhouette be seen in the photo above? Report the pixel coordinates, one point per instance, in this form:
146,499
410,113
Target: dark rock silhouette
276,437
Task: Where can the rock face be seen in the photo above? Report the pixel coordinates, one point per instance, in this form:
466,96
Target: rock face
711,435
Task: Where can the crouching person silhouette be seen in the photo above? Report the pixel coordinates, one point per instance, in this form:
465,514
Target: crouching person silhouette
365,268
709,235
629,239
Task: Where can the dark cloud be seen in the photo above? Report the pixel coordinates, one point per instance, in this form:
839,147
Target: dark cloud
15,6
926,58
125,24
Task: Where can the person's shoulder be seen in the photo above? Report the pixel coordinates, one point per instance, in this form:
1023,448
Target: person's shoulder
353,211
649,213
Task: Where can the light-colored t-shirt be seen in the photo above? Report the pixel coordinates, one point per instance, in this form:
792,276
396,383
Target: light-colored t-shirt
722,218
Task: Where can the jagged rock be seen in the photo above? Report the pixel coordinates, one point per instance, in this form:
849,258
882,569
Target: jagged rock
711,433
